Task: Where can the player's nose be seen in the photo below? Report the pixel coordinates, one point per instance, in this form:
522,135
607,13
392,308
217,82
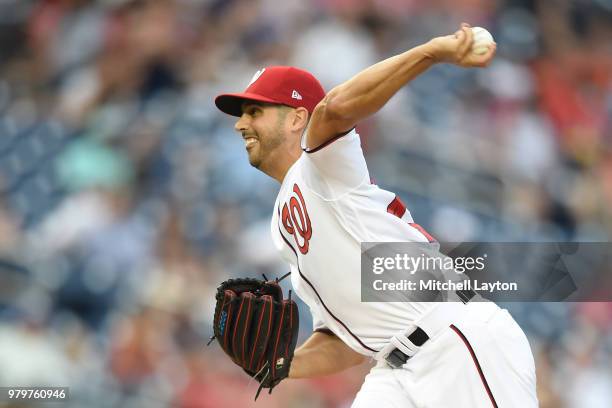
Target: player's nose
241,124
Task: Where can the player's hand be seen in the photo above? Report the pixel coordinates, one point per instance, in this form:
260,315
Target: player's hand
457,49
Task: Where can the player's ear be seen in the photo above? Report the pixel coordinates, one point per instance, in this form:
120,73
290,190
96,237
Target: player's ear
300,118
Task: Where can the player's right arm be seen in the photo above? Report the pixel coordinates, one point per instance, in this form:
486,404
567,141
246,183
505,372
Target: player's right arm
368,91
323,354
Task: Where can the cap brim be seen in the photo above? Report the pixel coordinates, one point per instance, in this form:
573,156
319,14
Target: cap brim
232,103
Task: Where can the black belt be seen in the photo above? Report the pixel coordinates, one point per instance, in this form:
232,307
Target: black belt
398,358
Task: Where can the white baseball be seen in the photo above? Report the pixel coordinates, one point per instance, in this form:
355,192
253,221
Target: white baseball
482,40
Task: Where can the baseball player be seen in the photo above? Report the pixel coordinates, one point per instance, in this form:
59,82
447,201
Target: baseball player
459,354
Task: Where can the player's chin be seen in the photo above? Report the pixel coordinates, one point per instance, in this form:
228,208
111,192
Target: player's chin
254,158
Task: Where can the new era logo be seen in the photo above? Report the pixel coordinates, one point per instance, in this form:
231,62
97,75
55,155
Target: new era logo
296,95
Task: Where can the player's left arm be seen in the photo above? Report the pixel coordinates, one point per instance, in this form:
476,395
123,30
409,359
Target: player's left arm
323,354
368,91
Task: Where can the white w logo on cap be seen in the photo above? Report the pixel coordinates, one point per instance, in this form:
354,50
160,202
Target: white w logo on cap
256,76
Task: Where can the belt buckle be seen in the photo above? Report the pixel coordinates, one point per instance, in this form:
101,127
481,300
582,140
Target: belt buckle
465,295
396,358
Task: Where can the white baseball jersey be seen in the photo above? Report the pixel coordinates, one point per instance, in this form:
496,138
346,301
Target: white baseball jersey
325,208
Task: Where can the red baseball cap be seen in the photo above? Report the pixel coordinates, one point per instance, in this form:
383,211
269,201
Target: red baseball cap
278,85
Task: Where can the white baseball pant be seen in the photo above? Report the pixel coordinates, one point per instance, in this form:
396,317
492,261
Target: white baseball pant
482,360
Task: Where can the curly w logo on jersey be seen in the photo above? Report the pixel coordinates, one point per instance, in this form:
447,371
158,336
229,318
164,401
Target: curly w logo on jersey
296,221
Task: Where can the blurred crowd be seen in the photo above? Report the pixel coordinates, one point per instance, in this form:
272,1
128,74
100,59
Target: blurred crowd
126,197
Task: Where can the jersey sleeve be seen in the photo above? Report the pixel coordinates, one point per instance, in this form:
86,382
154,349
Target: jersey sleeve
317,322
336,167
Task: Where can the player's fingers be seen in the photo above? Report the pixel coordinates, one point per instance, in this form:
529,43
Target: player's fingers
485,59
466,44
488,57
461,33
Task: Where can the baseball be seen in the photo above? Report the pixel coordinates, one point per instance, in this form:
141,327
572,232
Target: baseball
482,39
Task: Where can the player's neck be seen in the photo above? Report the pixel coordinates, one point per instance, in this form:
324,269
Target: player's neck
279,168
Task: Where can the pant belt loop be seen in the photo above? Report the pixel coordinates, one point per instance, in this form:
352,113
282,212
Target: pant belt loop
429,325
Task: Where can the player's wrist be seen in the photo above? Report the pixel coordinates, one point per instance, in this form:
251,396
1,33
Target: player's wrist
295,367
433,50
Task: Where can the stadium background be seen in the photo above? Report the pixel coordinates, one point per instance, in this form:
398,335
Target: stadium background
126,197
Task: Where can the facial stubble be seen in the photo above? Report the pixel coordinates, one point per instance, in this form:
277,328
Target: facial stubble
271,141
